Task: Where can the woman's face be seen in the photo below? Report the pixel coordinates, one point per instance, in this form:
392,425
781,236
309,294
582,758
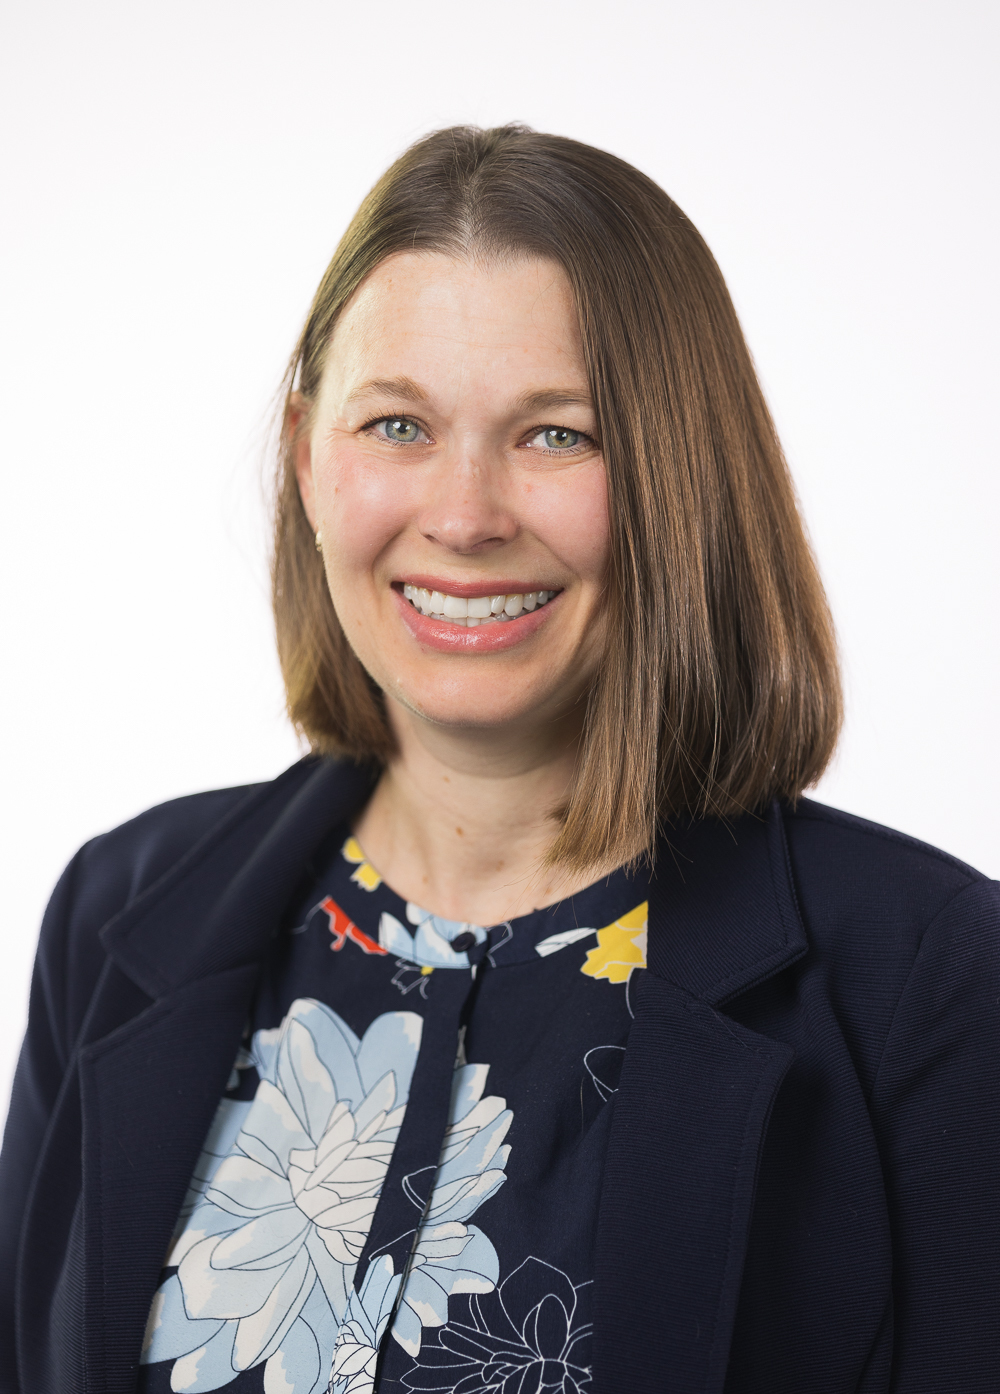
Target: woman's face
452,472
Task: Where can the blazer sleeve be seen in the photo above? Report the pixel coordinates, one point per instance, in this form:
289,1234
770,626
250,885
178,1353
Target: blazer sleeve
67,964
936,1106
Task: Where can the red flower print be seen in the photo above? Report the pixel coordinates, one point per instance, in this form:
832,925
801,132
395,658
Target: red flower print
342,927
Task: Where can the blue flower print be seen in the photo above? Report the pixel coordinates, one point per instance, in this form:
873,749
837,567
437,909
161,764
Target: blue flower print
528,1337
283,1196
355,1355
451,1257
266,1254
429,945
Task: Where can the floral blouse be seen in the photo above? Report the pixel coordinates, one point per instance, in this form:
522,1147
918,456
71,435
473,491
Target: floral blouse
399,1191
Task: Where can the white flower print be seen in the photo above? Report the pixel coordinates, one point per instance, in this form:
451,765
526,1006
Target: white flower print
530,1336
555,942
267,1254
282,1199
356,1354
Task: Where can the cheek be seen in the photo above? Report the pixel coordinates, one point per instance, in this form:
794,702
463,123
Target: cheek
360,506
570,515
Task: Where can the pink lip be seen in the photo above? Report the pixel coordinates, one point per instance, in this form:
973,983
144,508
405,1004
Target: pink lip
455,638
467,589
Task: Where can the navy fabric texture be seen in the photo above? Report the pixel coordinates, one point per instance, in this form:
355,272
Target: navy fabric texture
802,1178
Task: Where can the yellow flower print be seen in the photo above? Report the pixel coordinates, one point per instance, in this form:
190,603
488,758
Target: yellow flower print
366,876
621,947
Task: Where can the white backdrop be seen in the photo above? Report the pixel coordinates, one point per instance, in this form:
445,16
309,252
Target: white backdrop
175,178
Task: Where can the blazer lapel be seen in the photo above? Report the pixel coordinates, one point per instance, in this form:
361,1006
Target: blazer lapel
691,1111
221,903
149,1092
150,1086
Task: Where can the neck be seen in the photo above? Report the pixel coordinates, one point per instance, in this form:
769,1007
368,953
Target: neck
460,822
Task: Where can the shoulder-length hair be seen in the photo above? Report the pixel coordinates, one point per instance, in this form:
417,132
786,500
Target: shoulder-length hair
719,689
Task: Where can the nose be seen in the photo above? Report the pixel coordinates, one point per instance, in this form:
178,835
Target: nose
465,509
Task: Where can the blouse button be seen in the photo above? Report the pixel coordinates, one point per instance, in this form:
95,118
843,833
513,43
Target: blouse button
463,941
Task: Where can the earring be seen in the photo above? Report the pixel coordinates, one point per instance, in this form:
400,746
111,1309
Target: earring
319,542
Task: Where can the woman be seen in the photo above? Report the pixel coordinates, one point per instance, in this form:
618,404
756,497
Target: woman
629,1069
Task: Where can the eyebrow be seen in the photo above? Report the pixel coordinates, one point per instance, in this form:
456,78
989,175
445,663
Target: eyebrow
388,387
543,401
411,391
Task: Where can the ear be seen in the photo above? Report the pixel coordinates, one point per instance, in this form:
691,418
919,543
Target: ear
296,426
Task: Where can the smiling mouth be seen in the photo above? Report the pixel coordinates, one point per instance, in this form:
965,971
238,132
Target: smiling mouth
477,609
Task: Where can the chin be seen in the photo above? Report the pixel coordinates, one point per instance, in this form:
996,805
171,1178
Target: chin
482,709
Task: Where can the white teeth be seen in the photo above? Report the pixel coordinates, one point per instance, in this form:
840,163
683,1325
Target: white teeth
479,609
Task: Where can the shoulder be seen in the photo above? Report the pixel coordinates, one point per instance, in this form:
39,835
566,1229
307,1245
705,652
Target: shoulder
115,867
845,855
862,884
118,866
112,870
843,860
878,907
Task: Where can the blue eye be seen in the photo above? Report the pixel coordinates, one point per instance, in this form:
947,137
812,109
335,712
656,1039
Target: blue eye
560,438
398,429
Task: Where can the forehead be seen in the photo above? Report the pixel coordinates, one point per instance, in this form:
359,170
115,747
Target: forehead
423,315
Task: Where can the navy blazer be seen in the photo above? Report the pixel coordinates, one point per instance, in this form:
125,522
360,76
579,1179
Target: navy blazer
802,1191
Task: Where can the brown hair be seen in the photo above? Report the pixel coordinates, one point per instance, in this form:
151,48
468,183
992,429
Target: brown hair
719,690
